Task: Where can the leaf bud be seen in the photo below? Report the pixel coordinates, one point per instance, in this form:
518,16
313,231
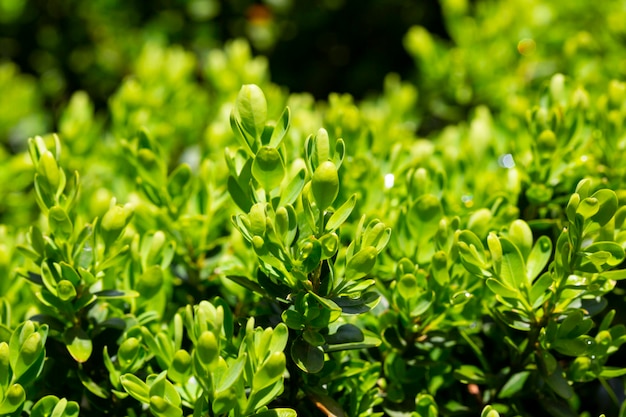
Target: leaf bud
325,185
207,349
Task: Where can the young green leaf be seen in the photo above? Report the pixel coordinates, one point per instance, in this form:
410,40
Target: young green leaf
268,168
341,214
251,110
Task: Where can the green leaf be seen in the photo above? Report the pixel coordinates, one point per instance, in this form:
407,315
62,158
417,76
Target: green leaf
14,398
224,402
341,214
439,268
325,185
270,371
513,272
93,387
489,411
572,347
574,325
522,236
207,349
113,294
60,223
308,358
27,352
137,389
472,253
514,385
329,243
150,282
588,207
539,288
268,168
160,407
276,412
178,181
239,196
502,289
407,287
424,216
51,406
557,382
230,377
601,253
469,374
289,194
346,333
161,388
361,263
280,336
280,130
608,204
313,337
357,305
612,372
370,340
251,110
538,258
78,344
180,368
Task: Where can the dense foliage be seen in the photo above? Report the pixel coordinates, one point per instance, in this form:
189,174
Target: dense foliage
214,245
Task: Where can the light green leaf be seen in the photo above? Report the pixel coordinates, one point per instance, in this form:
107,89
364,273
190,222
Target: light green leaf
230,377
251,110
268,168
502,289
276,412
608,204
78,344
289,194
469,374
280,129
341,214
538,258
160,407
513,272
13,400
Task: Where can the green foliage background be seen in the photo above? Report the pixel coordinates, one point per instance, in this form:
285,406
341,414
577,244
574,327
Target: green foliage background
196,239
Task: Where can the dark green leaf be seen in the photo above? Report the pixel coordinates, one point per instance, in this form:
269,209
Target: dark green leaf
346,333
308,358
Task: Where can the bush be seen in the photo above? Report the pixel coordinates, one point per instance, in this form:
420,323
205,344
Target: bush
214,245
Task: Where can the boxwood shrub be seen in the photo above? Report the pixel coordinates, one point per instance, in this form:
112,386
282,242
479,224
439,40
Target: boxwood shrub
212,244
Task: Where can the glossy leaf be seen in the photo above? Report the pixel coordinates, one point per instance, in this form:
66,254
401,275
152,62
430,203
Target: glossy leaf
341,214
308,358
78,344
251,110
268,168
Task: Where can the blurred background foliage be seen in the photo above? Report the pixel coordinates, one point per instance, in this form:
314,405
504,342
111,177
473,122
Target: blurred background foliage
313,46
